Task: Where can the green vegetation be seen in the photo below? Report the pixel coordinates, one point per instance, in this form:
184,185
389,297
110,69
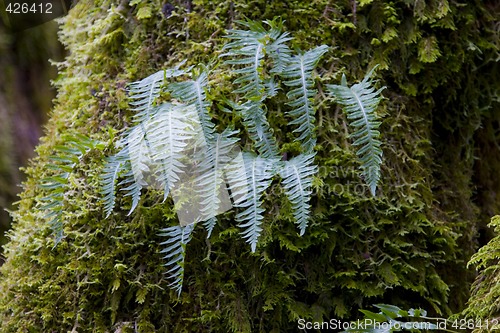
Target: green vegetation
167,138
406,246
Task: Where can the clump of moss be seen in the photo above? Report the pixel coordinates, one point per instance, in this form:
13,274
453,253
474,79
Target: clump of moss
410,244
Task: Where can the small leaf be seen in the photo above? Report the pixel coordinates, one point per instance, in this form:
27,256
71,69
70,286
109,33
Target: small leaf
144,13
392,311
375,316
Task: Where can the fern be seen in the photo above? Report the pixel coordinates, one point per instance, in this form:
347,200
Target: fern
298,73
156,147
113,169
171,133
175,252
248,185
210,183
192,92
279,52
177,147
258,128
144,92
297,176
63,164
247,49
360,102
139,149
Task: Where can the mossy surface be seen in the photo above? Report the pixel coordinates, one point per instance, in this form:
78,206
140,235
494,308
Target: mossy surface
407,246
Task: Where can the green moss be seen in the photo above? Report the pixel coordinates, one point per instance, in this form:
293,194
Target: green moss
408,246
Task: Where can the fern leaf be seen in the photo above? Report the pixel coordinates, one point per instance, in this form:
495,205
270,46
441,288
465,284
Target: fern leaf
247,49
144,92
175,253
210,183
63,163
155,148
258,128
114,167
360,103
130,186
171,132
209,225
297,176
53,203
249,184
299,77
137,147
279,52
193,92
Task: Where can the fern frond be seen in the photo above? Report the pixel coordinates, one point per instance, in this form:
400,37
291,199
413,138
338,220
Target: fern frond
247,49
131,186
137,147
144,92
210,183
171,132
193,92
296,177
63,163
278,50
360,103
175,253
114,167
53,203
258,128
298,74
209,225
248,185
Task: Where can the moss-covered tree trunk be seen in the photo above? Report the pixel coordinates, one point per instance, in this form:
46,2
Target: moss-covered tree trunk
408,246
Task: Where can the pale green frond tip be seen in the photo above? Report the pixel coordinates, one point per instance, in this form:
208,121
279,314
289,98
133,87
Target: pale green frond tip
343,80
360,102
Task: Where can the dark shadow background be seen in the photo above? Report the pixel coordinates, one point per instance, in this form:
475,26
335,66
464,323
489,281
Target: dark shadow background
26,96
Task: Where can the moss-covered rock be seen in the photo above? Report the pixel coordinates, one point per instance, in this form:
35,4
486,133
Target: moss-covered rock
409,245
